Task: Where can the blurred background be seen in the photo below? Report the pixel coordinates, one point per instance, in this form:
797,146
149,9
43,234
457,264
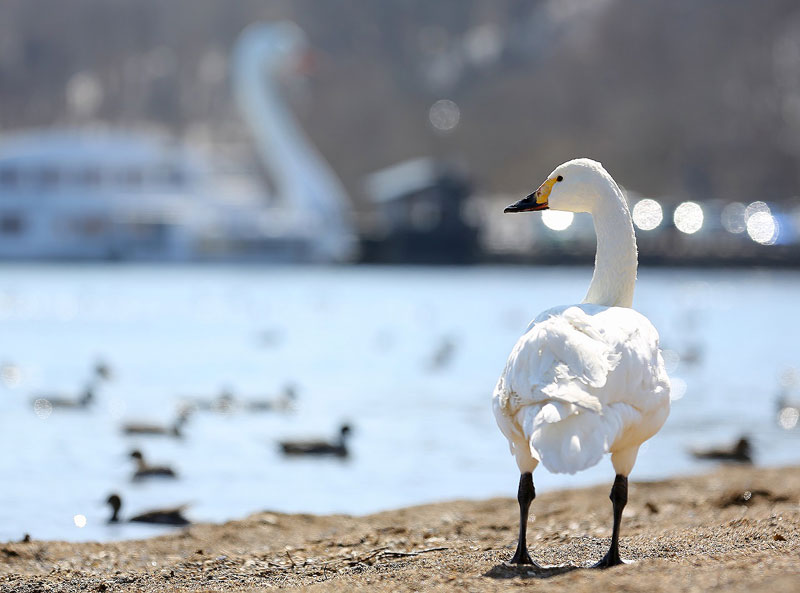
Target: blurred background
227,228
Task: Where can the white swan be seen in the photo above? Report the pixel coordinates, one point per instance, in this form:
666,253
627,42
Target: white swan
586,379
313,202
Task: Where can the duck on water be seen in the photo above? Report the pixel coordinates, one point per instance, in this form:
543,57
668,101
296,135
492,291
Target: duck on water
146,470
101,372
167,516
585,379
226,402
65,402
285,401
739,452
335,448
146,429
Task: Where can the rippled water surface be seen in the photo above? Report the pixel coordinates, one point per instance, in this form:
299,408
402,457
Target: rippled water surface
408,356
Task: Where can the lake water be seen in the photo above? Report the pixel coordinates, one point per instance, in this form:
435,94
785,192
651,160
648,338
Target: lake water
361,345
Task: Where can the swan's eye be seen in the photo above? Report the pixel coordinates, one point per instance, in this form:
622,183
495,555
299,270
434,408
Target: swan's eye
559,178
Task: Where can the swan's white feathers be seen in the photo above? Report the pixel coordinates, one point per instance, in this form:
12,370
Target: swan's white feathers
588,379
584,380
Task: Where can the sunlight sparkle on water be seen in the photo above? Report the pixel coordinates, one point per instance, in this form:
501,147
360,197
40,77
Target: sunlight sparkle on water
79,520
42,408
647,214
557,220
788,418
688,217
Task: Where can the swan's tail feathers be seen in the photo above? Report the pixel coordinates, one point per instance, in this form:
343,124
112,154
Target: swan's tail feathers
567,439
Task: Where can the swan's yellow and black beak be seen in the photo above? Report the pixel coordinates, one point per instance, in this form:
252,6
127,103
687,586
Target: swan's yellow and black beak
534,202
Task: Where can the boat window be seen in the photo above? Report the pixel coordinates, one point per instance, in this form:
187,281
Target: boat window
47,176
86,226
170,174
133,177
9,177
129,176
93,225
90,176
11,224
151,232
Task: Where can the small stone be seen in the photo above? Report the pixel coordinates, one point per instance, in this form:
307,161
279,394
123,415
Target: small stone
268,519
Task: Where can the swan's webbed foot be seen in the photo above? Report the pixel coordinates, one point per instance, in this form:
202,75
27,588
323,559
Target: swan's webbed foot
612,558
521,556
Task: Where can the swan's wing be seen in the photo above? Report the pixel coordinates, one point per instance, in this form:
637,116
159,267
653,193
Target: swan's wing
577,381
640,380
563,359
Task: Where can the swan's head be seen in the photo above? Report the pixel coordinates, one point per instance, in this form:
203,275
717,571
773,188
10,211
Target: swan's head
575,186
279,45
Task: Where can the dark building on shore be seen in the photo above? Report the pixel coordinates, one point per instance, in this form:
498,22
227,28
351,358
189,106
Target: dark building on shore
420,215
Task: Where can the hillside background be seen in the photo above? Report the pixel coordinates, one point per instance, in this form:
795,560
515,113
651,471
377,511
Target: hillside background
681,98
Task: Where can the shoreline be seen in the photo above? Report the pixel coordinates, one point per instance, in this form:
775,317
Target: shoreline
733,529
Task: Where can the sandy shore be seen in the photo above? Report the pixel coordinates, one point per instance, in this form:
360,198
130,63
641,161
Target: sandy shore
736,529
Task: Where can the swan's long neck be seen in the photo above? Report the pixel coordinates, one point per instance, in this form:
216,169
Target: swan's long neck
279,140
615,265
305,184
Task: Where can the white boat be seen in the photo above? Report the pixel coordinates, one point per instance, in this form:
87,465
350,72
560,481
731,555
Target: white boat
91,194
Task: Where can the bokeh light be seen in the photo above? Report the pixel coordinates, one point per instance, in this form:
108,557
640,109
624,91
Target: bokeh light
733,219
688,217
11,375
84,93
444,115
762,228
760,223
788,417
557,220
671,359
42,408
755,207
483,44
647,214
677,388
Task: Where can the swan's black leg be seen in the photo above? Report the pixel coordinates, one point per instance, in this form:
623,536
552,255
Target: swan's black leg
619,497
525,496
